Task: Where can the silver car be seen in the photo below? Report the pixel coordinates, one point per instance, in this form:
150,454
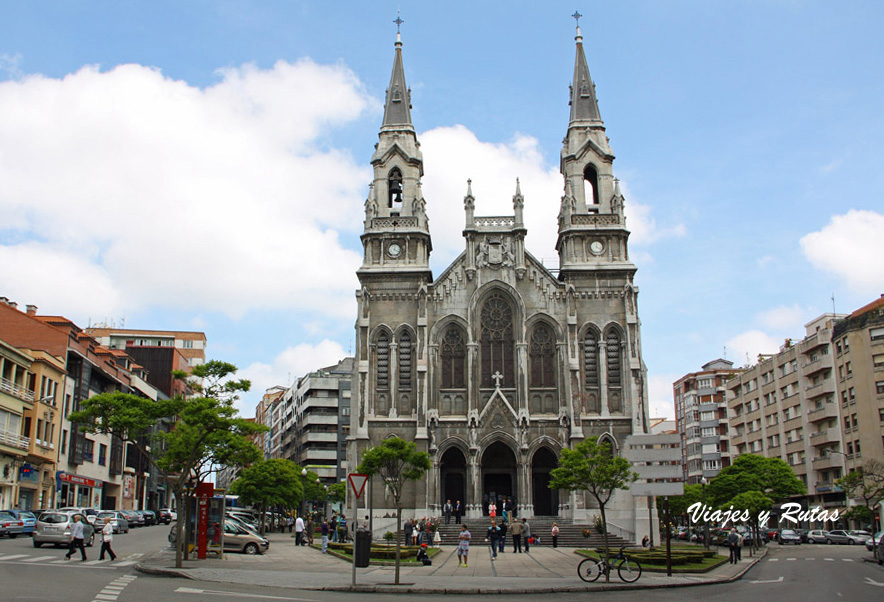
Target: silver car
117,520
848,537
54,527
817,536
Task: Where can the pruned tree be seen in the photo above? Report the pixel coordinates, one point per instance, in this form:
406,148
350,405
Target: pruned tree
755,503
396,461
269,483
592,467
748,472
866,484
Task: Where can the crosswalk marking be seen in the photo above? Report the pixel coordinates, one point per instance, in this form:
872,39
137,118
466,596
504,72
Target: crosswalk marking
847,559
39,558
791,559
13,556
773,560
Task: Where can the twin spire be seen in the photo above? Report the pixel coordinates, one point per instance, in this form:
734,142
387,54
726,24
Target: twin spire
397,109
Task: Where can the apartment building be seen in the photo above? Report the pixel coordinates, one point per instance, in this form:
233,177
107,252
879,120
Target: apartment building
859,363
701,420
16,398
785,407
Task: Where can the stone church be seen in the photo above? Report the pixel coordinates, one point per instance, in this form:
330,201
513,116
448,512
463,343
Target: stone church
498,363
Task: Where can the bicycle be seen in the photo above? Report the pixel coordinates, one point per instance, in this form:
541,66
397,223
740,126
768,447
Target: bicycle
629,570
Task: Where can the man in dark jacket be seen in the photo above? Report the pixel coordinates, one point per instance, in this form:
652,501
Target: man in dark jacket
493,536
502,539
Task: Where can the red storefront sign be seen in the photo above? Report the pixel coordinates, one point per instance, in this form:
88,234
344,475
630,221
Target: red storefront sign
78,480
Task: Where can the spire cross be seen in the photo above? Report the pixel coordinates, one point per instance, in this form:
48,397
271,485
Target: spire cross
497,376
398,21
577,16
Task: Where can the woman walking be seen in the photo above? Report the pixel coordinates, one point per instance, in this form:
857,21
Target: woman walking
107,536
555,535
463,546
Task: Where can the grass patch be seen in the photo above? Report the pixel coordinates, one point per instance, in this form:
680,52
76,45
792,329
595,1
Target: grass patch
693,563
381,555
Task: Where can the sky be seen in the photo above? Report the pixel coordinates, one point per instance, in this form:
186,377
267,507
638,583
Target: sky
203,165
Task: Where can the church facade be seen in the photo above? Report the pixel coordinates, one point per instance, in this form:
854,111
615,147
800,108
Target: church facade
497,364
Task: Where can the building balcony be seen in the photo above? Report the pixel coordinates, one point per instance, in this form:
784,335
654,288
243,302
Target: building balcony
320,419
14,440
320,438
825,436
827,487
827,387
9,387
827,411
794,446
830,461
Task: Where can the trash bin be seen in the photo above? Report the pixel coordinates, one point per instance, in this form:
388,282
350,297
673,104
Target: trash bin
362,549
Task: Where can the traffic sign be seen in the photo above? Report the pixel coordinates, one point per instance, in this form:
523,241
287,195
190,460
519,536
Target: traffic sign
357,483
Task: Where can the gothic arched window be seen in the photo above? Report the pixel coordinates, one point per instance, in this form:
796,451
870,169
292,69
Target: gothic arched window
590,361
394,186
612,351
453,357
497,344
405,349
542,356
591,184
383,359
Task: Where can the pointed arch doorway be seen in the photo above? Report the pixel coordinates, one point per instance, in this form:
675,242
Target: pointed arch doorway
453,477
546,500
499,475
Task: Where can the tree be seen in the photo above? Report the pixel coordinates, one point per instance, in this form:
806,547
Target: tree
770,476
867,484
755,503
396,461
212,379
207,431
269,483
679,504
591,466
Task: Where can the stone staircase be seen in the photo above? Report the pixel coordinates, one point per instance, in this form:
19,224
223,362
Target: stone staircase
570,535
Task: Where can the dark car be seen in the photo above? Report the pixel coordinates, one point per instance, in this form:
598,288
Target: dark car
28,519
787,536
164,516
149,517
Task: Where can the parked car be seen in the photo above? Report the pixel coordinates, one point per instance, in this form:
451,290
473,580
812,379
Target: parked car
134,518
860,536
117,519
787,536
817,536
848,537
245,525
55,528
238,539
164,516
772,534
879,539
149,517
28,518
10,525
88,513
749,537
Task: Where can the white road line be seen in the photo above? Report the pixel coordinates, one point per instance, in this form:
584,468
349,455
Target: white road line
39,558
94,561
769,580
829,559
105,597
772,559
14,556
210,592
791,559
847,559
125,563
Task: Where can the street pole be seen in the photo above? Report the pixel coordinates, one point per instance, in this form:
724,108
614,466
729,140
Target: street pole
651,518
353,518
668,542
705,520
304,490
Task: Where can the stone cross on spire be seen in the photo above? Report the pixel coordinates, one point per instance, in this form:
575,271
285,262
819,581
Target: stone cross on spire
398,21
577,16
497,376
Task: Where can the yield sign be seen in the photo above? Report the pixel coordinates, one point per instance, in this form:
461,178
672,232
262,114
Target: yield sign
357,483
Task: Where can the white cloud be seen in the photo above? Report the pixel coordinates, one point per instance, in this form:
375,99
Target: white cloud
660,403
643,225
851,247
784,318
291,364
746,347
9,64
163,194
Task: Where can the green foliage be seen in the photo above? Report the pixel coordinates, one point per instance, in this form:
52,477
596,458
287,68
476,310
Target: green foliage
212,380
129,417
866,483
749,472
679,504
337,492
269,483
591,466
396,461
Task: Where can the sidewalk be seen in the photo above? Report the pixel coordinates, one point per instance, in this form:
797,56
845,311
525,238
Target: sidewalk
544,570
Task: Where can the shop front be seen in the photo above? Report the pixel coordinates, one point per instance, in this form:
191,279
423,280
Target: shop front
76,491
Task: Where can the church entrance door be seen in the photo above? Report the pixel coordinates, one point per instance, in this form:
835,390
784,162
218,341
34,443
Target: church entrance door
546,500
498,476
454,477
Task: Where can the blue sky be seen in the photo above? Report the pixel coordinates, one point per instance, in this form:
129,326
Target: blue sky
202,165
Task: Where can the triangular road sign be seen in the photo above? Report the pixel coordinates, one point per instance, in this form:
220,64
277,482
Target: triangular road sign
357,483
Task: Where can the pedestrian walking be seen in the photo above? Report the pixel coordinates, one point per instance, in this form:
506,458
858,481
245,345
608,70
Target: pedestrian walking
501,541
493,536
299,531
492,510
526,535
107,537
334,528
463,546
76,539
733,542
516,530
323,530
555,535
408,530
309,530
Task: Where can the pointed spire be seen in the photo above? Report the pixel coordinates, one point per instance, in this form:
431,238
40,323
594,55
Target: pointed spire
584,105
469,204
518,204
397,109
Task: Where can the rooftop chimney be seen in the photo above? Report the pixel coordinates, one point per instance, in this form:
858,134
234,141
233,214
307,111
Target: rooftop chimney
31,309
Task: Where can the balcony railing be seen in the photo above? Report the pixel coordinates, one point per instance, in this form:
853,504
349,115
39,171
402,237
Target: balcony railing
7,386
14,440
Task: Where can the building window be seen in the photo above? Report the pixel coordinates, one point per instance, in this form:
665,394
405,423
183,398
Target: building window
877,334
591,185
878,360
394,185
612,350
383,369
879,387
591,361
542,355
102,454
453,355
497,343
405,363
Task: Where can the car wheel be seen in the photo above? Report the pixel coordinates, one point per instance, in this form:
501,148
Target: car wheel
37,544
829,541
250,548
850,542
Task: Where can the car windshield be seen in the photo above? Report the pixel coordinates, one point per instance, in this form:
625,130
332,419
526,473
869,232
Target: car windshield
54,519
788,532
106,515
26,515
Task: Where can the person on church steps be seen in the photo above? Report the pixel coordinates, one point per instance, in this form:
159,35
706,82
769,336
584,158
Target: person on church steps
457,512
447,509
516,530
555,535
526,534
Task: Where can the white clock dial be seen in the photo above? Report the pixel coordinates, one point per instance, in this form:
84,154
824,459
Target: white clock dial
597,247
394,250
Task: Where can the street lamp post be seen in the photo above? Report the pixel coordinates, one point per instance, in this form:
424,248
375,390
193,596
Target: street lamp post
303,490
703,482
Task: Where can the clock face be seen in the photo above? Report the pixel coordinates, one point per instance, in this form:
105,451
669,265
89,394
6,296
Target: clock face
597,247
394,250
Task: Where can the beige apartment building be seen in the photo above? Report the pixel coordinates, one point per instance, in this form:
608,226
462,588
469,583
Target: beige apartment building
859,362
786,407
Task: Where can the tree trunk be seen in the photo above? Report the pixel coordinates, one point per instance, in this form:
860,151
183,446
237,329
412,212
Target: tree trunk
607,547
179,531
398,542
